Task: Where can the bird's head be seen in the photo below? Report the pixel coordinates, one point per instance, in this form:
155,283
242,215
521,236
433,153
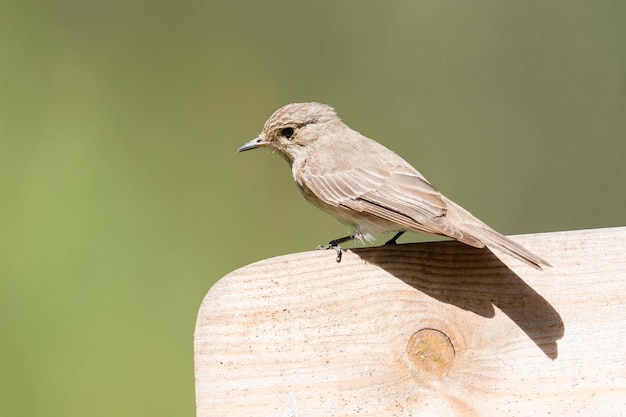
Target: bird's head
294,128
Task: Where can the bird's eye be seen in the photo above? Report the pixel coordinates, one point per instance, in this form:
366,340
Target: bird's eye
288,132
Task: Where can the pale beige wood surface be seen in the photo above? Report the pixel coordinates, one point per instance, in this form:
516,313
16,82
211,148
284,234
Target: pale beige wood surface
303,335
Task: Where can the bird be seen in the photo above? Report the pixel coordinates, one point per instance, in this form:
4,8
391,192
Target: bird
366,185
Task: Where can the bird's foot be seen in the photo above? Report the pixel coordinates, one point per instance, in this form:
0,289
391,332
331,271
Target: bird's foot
334,244
392,241
330,245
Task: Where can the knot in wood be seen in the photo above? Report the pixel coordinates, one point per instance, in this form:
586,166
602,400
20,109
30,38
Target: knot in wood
431,351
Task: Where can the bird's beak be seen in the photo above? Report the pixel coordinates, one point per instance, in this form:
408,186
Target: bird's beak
257,142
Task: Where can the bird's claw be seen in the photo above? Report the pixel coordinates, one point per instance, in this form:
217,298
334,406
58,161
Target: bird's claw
337,249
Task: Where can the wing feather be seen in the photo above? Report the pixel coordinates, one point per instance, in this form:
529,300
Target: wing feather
389,189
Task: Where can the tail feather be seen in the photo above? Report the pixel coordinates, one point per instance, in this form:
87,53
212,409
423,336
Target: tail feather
471,226
495,240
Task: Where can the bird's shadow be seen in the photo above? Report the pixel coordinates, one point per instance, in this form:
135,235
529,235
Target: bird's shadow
474,280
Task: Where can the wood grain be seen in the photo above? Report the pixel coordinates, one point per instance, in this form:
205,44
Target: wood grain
420,329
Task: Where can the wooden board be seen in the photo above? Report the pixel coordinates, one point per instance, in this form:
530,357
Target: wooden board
420,329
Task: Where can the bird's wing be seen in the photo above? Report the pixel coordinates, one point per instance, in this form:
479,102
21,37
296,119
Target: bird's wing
387,187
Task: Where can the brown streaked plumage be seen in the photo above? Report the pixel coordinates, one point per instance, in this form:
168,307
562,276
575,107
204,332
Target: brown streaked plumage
366,185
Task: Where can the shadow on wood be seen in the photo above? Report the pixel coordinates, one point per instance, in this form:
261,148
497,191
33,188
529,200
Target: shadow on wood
472,279
420,329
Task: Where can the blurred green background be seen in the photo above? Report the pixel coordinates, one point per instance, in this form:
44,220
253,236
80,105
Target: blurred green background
123,199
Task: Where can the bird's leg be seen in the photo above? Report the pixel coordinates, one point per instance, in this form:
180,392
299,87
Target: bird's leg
334,244
392,241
